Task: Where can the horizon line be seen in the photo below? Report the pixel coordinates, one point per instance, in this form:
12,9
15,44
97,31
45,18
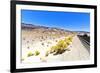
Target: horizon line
55,27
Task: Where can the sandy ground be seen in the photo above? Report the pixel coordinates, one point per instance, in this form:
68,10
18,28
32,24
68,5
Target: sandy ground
77,52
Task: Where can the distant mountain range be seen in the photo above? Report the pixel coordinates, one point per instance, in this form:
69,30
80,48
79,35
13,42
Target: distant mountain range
33,26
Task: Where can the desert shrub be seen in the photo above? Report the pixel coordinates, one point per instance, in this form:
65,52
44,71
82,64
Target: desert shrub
30,54
53,49
69,39
42,43
68,43
46,54
61,45
36,53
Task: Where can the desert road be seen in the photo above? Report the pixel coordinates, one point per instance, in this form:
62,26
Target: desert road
77,52
85,42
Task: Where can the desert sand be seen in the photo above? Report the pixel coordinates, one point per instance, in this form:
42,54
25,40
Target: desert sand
37,42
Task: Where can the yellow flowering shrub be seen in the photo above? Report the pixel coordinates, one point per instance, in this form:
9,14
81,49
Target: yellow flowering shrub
30,54
36,53
61,45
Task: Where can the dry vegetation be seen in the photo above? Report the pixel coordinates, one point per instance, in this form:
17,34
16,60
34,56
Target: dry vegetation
51,41
61,46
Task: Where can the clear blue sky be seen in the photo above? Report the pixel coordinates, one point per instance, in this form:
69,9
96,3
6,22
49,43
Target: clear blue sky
73,21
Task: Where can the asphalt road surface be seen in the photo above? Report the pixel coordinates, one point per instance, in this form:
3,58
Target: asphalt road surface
85,42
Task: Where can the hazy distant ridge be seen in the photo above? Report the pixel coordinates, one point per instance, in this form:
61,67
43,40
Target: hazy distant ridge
33,26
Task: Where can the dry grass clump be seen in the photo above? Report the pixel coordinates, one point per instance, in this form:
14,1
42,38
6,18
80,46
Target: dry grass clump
36,53
30,54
